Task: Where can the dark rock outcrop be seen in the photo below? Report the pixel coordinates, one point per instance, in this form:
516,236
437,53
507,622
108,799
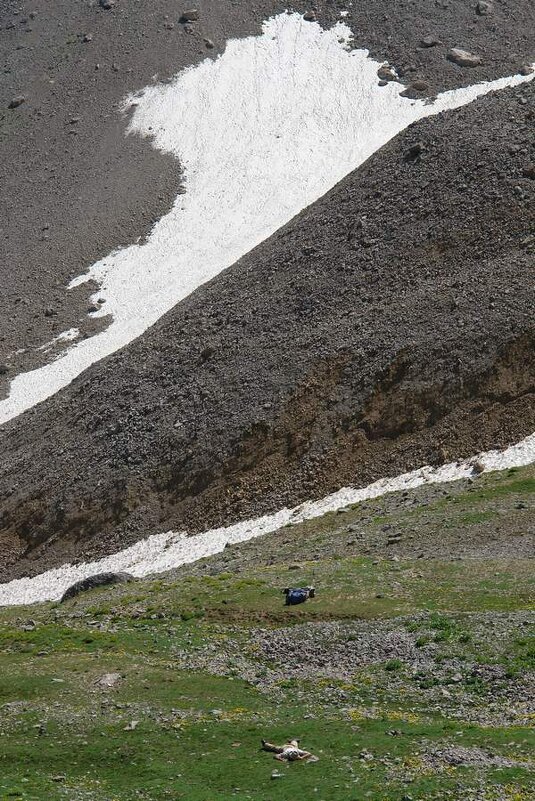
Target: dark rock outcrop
92,582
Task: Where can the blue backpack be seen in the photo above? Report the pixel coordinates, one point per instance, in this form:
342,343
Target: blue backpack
298,595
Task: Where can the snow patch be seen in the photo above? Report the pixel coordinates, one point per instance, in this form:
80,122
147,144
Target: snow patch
163,552
66,336
261,132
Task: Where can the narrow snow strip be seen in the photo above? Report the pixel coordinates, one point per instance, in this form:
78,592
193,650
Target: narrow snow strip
163,552
261,132
66,336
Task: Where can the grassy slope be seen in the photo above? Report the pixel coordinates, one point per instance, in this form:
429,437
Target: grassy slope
203,686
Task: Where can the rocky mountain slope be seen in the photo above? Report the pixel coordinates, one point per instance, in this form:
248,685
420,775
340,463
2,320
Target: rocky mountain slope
75,188
389,325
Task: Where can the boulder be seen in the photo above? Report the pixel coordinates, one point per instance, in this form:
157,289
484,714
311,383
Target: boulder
16,101
190,15
463,58
108,680
484,9
419,86
386,73
414,151
91,582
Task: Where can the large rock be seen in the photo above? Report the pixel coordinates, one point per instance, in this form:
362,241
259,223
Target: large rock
108,680
484,9
190,15
463,58
91,582
17,101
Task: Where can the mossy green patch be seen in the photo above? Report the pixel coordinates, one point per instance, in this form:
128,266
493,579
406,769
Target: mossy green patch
194,692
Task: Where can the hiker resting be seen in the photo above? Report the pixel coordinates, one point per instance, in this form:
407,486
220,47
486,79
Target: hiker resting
289,752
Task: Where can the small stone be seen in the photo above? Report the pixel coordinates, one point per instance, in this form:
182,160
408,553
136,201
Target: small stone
108,680
529,171
525,69
207,353
294,567
463,58
208,43
414,151
382,82
169,25
419,86
484,8
190,15
132,725
74,120
429,41
477,468
386,73
310,16
59,778
457,678
87,37
275,774
4,369
107,4
16,101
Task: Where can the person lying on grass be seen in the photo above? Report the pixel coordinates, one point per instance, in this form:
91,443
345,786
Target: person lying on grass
289,752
